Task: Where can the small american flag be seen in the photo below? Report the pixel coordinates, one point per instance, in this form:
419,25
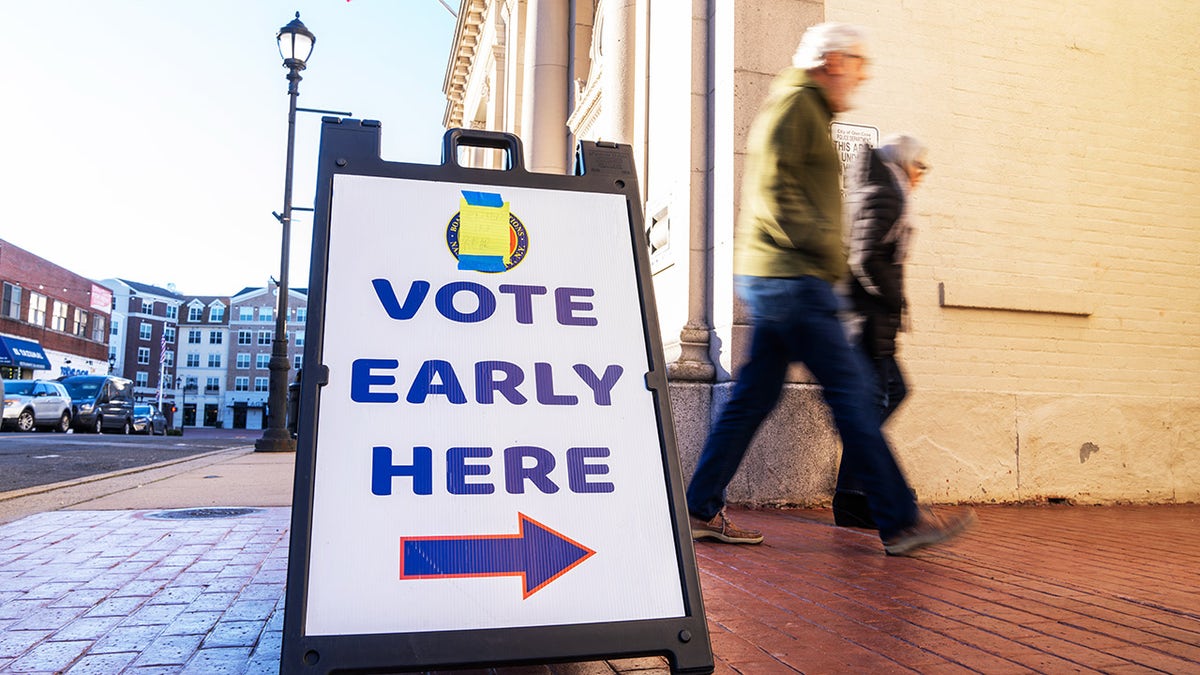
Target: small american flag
162,348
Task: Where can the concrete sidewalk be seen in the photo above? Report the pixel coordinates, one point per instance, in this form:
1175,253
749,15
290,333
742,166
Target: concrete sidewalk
97,577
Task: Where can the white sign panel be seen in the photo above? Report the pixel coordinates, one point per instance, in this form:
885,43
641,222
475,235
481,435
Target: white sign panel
850,139
487,452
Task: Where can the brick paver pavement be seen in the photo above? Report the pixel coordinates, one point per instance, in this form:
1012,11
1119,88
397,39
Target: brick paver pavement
1062,589
1030,589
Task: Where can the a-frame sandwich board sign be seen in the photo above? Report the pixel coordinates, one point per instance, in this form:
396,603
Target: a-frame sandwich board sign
486,471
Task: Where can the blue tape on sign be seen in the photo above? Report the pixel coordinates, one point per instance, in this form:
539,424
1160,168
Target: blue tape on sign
483,198
481,263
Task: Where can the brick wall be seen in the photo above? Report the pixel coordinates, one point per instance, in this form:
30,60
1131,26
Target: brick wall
1055,296
38,275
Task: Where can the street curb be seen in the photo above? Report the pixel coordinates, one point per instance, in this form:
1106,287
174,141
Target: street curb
61,485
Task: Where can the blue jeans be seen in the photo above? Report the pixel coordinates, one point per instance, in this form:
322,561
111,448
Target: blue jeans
795,319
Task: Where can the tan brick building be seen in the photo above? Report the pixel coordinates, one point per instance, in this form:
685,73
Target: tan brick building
1055,300
251,331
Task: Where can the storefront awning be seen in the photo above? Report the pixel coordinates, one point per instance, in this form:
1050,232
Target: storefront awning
250,405
23,354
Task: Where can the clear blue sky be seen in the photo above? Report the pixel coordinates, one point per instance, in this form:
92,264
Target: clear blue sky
146,139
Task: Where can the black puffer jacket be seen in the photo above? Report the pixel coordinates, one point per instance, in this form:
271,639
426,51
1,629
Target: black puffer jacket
877,240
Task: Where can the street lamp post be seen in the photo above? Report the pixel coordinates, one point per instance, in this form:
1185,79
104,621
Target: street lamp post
295,45
182,384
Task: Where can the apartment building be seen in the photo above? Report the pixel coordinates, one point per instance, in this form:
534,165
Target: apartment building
203,356
142,337
251,334
52,321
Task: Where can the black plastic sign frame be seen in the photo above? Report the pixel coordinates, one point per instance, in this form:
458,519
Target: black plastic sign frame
404,549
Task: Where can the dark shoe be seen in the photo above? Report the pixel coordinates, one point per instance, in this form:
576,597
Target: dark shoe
930,529
723,529
850,510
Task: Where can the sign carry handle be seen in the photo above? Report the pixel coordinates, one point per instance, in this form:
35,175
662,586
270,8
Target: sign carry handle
478,138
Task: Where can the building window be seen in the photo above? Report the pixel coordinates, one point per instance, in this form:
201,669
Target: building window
243,361
143,356
213,386
11,305
265,314
60,316
300,338
215,337
193,337
298,362
262,361
241,384
245,337
245,313
193,360
145,331
81,322
214,360
302,314
216,314
260,383
264,337
98,329
37,309
172,311
169,334
170,359
195,313
141,378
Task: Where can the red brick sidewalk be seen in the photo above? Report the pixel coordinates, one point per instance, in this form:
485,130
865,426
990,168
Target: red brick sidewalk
1030,589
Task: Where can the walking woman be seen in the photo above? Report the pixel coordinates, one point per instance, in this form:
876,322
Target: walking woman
880,232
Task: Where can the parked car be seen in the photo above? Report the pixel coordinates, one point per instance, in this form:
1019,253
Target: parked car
30,404
100,402
148,419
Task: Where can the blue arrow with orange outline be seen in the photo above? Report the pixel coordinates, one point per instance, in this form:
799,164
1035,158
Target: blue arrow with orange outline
536,553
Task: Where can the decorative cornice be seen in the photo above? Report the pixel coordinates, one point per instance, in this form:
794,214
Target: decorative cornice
583,119
462,59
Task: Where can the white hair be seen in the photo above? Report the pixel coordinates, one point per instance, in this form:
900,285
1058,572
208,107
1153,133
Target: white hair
824,38
903,150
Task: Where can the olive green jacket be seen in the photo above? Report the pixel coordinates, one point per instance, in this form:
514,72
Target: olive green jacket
790,223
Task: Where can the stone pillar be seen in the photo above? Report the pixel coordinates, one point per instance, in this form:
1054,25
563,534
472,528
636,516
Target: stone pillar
617,23
544,106
695,363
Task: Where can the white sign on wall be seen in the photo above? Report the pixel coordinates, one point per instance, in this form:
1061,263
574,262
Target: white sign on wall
850,141
488,453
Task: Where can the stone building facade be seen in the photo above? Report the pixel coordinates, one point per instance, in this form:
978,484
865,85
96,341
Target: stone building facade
1054,348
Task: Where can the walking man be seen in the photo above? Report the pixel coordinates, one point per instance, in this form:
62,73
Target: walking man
788,253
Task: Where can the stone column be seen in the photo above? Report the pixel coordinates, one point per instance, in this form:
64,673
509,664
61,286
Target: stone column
617,22
544,106
695,362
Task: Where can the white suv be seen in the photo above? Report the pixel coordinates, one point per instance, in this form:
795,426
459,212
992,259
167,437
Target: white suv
36,403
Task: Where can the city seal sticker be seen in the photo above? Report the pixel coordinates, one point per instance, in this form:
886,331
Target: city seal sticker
484,235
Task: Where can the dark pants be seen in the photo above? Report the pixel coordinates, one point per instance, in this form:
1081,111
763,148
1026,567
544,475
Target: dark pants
889,387
795,319
888,390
